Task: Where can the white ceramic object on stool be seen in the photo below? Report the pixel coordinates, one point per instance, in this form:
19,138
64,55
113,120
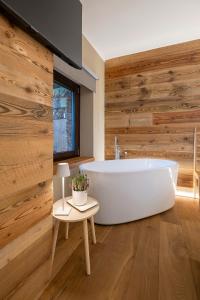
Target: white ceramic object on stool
79,197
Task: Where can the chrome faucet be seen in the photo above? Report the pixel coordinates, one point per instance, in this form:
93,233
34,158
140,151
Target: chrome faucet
117,149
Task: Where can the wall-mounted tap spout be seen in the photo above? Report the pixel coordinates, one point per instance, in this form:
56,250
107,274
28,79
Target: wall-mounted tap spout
117,148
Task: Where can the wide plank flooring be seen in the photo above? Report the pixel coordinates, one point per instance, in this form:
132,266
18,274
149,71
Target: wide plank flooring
157,258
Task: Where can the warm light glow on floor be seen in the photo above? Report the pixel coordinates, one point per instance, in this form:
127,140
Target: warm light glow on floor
185,193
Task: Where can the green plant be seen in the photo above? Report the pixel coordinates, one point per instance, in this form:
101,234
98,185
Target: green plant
80,182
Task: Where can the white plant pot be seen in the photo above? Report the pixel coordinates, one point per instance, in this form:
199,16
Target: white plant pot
79,198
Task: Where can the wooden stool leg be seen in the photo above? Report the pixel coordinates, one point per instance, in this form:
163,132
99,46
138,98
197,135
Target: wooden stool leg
93,230
55,236
86,243
199,190
194,187
67,231
197,187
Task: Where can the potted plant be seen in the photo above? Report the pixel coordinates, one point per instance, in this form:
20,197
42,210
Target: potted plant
79,189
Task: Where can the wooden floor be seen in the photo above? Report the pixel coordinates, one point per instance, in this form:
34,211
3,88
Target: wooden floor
150,259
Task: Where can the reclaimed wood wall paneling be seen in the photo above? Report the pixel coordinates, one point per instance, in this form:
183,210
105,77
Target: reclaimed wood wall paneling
153,104
26,163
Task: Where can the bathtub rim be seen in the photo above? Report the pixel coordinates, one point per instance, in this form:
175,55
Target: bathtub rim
174,164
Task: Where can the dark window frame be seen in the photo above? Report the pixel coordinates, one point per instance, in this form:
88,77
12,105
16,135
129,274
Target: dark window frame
60,79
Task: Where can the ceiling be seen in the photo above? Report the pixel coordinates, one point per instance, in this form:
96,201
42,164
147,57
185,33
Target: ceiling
120,27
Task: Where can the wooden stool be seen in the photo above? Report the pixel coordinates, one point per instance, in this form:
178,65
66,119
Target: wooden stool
196,184
196,172
75,216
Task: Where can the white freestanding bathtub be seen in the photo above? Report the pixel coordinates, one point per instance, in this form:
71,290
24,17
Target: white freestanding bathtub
131,189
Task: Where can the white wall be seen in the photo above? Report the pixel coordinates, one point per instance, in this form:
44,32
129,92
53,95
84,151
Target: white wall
94,62
86,122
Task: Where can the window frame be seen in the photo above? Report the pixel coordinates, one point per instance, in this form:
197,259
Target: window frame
60,79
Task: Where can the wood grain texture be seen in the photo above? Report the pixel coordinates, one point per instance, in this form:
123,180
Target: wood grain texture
32,206
24,241
173,255
185,54
25,66
14,273
26,161
154,258
152,103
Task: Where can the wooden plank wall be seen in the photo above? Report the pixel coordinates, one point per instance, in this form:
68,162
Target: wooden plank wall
26,163
153,104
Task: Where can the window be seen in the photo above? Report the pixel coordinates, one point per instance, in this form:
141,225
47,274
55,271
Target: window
66,117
